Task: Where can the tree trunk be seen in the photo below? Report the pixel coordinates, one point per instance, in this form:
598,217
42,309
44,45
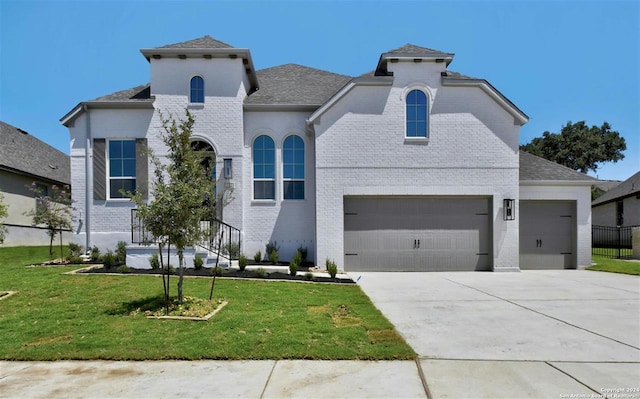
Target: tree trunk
51,237
181,275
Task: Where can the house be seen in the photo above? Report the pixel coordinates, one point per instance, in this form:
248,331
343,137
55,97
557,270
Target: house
408,167
619,206
25,160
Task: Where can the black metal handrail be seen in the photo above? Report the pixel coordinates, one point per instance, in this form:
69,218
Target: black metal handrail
612,241
230,246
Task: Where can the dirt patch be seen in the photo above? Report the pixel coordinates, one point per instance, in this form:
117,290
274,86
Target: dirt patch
59,339
379,336
322,309
342,318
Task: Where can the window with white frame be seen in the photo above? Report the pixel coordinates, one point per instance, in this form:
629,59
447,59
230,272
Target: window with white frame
293,168
122,167
196,94
264,168
417,114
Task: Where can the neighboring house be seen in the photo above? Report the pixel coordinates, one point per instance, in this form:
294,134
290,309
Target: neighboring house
24,160
408,167
619,206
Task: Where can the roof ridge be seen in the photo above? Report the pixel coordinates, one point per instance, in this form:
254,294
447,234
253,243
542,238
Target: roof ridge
305,67
205,42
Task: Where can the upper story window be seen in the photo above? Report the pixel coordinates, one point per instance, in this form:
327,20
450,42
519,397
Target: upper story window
293,168
417,114
264,168
122,167
196,90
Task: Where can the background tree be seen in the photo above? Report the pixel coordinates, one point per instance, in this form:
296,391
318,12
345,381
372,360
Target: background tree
579,146
182,191
3,214
53,210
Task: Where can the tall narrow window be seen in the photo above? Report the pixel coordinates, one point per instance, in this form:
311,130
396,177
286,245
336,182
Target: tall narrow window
264,160
197,90
417,106
122,167
293,168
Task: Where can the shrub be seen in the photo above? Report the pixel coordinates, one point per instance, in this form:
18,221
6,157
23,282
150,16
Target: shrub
198,261
231,249
273,257
298,257
75,260
154,262
242,262
217,271
332,269
303,252
95,254
76,250
309,276
123,269
260,272
257,257
271,247
109,260
170,269
293,266
121,252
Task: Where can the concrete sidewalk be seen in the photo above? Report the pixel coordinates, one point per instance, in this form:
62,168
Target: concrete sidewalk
211,379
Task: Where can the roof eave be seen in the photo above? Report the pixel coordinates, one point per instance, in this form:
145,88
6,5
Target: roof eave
575,183
519,117
437,57
281,107
72,115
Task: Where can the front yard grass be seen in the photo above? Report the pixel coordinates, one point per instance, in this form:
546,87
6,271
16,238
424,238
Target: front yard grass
55,316
603,264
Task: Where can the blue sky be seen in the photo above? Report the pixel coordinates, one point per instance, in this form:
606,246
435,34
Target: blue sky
557,61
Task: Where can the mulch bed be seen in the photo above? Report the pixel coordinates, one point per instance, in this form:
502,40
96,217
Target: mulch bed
206,272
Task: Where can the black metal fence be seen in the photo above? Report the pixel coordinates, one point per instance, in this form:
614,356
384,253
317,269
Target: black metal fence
611,242
219,237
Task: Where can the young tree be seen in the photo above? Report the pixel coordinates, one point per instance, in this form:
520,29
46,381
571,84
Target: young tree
3,214
53,210
182,190
579,146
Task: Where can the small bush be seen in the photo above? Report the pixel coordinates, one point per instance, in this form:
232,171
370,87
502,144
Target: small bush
242,262
273,257
109,260
309,276
293,266
298,257
257,257
260,272
217,271
121,252
198,261
95,254
123,269
154,262
75,260
303,253
231,249
271,247
76,250
171,269
332,269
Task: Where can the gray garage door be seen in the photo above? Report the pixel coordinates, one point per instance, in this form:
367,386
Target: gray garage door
417,234
547,234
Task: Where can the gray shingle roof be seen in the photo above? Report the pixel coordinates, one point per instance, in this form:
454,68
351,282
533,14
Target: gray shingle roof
20,151
533,167
415,50
627,188
138,93
296,84
205,42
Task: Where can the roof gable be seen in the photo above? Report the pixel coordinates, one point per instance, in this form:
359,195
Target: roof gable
533,167
23,153
296,84
627,188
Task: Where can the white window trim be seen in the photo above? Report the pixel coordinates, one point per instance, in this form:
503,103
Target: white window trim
192,104
426,90
275,172
107,168
304,197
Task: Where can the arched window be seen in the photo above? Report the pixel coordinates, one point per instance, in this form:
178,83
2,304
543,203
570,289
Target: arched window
264,168
293,168
197,90
417,114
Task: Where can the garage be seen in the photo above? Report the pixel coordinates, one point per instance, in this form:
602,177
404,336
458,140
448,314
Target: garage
547,235
417,234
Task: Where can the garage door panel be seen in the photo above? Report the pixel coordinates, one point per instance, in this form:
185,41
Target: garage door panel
417,234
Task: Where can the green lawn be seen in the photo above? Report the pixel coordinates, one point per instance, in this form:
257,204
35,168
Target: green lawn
615,266
55,316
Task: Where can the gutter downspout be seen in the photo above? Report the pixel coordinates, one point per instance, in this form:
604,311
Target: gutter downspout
88,175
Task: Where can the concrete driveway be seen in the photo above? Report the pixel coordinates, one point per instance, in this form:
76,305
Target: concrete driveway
515,335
